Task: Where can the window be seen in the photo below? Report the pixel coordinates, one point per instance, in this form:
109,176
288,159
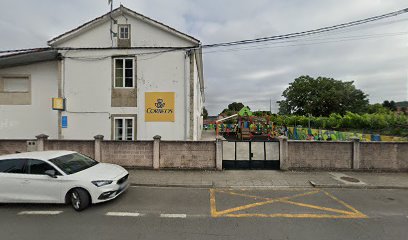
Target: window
124,32
16,84
38,167
124,129
13,166
73,163
15,90
124,72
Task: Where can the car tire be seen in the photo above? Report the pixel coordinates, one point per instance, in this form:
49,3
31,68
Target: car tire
79,199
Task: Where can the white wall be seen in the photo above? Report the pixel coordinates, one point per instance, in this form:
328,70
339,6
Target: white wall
142,35
27,121
87,79
88,88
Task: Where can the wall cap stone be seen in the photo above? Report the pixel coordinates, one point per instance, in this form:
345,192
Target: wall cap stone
42,136
157,137
99,137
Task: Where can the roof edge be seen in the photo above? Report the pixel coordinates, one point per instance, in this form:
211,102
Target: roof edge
117,11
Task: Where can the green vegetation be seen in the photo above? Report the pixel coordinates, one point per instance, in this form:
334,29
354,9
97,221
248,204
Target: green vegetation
381,123
321,97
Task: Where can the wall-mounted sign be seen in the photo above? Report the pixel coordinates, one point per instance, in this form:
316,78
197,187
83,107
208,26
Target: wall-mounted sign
64,122
58,104
159,106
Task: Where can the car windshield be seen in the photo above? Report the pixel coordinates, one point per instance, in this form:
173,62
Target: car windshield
73,163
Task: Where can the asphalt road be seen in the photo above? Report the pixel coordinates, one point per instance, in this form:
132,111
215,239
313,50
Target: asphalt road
182,213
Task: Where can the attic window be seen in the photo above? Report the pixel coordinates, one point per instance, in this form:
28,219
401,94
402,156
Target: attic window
124,31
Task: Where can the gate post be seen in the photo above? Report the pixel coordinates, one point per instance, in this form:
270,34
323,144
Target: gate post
356,153
218,154
98,147
283,152
41,141
156,152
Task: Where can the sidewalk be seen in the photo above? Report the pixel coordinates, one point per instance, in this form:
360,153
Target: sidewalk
269,179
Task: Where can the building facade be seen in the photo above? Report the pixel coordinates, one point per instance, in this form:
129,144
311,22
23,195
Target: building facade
122,75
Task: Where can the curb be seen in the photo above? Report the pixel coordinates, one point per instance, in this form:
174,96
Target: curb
349,186
164,185
212,185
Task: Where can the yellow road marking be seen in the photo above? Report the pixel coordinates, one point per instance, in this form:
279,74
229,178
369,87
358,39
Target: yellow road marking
252,205
319,207
354,213
212,202
346,205
291,215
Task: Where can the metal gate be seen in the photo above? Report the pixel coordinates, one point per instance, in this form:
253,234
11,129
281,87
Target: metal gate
250,155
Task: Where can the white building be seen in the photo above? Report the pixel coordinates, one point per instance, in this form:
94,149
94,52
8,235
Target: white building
122,75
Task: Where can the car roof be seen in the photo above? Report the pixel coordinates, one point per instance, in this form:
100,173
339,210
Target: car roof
44,155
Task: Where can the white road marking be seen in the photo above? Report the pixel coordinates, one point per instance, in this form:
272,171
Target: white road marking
173,215
124,214
40,212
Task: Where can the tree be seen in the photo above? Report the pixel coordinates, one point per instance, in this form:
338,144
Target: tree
233,108
377,108
205,113
390,105
321,97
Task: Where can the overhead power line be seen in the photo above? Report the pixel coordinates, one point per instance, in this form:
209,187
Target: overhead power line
303,42
309,32
227,44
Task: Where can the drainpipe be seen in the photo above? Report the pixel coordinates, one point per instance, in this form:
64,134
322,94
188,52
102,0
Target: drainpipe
186,92
59,95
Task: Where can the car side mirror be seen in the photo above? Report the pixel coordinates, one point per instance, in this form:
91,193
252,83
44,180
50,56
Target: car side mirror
51,173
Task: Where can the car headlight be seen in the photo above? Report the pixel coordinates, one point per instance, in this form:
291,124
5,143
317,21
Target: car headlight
101,183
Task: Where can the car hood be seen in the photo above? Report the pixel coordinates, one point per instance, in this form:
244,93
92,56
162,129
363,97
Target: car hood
102,171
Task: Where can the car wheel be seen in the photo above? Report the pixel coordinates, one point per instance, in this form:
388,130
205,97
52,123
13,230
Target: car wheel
79,199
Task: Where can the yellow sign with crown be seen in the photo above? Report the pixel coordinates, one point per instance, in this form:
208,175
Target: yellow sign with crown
159,106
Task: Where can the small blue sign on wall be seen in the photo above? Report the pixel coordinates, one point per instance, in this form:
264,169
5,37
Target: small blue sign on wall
64,122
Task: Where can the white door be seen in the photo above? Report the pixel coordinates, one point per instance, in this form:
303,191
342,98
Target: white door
12,180
41,187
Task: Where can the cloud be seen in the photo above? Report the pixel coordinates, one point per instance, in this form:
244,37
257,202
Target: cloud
253,75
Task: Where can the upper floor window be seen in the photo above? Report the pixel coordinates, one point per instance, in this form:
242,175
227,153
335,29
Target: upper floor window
124,31
124,72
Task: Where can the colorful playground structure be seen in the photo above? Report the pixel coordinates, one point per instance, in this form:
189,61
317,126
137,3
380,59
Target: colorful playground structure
247,127
244,126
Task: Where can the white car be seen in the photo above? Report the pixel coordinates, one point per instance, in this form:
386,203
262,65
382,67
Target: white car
59,177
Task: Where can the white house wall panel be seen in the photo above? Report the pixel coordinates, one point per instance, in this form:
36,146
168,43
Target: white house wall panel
86,81
142,34
27,121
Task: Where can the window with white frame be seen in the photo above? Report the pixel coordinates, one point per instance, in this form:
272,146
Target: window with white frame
124,129
124,32
124,72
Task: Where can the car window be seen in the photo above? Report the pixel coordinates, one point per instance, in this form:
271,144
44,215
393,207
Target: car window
39,167
13,166
73,163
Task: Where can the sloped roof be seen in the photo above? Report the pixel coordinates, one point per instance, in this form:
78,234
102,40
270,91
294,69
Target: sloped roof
28,57
116,12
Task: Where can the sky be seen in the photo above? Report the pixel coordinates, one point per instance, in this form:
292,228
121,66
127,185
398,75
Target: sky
374,56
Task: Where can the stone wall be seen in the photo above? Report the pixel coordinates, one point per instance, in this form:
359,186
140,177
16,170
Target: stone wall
384,156
319,155
355,155
12,146
84,147
189,154
128,154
